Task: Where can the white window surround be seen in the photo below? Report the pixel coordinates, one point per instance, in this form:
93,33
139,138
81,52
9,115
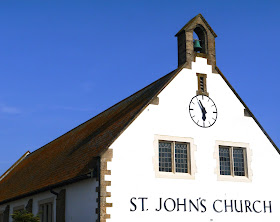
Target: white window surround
202,86
174,175
247,162
16,208
46,201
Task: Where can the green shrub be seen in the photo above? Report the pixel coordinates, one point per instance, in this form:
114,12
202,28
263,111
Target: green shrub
24,216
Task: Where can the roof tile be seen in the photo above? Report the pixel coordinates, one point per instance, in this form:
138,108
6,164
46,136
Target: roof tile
75,153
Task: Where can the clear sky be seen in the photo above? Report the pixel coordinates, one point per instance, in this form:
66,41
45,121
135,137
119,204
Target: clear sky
63,62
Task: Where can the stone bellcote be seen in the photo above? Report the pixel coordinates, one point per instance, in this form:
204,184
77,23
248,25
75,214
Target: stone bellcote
206,35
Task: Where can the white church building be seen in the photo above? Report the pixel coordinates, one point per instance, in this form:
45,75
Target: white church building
184,148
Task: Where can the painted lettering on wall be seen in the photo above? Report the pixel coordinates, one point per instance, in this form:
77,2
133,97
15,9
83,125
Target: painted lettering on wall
201,205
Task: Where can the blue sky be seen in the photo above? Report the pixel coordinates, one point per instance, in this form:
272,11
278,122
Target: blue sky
63,62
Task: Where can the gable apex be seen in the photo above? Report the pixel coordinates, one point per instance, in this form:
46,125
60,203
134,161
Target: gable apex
193,21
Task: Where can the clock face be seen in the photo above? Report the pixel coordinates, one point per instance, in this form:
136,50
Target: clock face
203,111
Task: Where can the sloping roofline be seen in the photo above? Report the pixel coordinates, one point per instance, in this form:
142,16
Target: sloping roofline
192,20
80,147
14,165
87,142
249,111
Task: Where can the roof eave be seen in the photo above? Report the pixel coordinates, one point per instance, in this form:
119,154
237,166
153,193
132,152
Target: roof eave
48,188
14,165
176,71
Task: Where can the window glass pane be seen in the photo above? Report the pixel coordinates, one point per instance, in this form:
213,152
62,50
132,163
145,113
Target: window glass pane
224,161
46,212
50,212
1,217
41,211
165,157
181,157
238,162
201,83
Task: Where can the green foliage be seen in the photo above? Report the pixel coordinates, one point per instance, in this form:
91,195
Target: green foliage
24,216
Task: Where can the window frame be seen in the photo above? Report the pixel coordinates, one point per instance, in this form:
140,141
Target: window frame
191,148
173,157
247,156
201,91
45,202
18,208
231,160
2,215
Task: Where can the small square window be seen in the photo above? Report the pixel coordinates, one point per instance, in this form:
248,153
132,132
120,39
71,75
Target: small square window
232,161
173,157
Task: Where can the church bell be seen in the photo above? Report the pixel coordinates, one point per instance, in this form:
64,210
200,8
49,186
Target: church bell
196,45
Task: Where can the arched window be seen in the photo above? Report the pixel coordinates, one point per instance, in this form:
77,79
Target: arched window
200,34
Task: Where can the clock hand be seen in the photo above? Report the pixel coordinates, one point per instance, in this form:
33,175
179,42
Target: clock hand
203,117
203,110
200,105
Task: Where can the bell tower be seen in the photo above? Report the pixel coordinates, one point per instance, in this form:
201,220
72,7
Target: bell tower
206,40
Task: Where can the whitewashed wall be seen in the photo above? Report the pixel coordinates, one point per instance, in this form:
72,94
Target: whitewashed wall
132,167
80,201
35,207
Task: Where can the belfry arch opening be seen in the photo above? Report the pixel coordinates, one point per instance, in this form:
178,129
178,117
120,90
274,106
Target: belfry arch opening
200,34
